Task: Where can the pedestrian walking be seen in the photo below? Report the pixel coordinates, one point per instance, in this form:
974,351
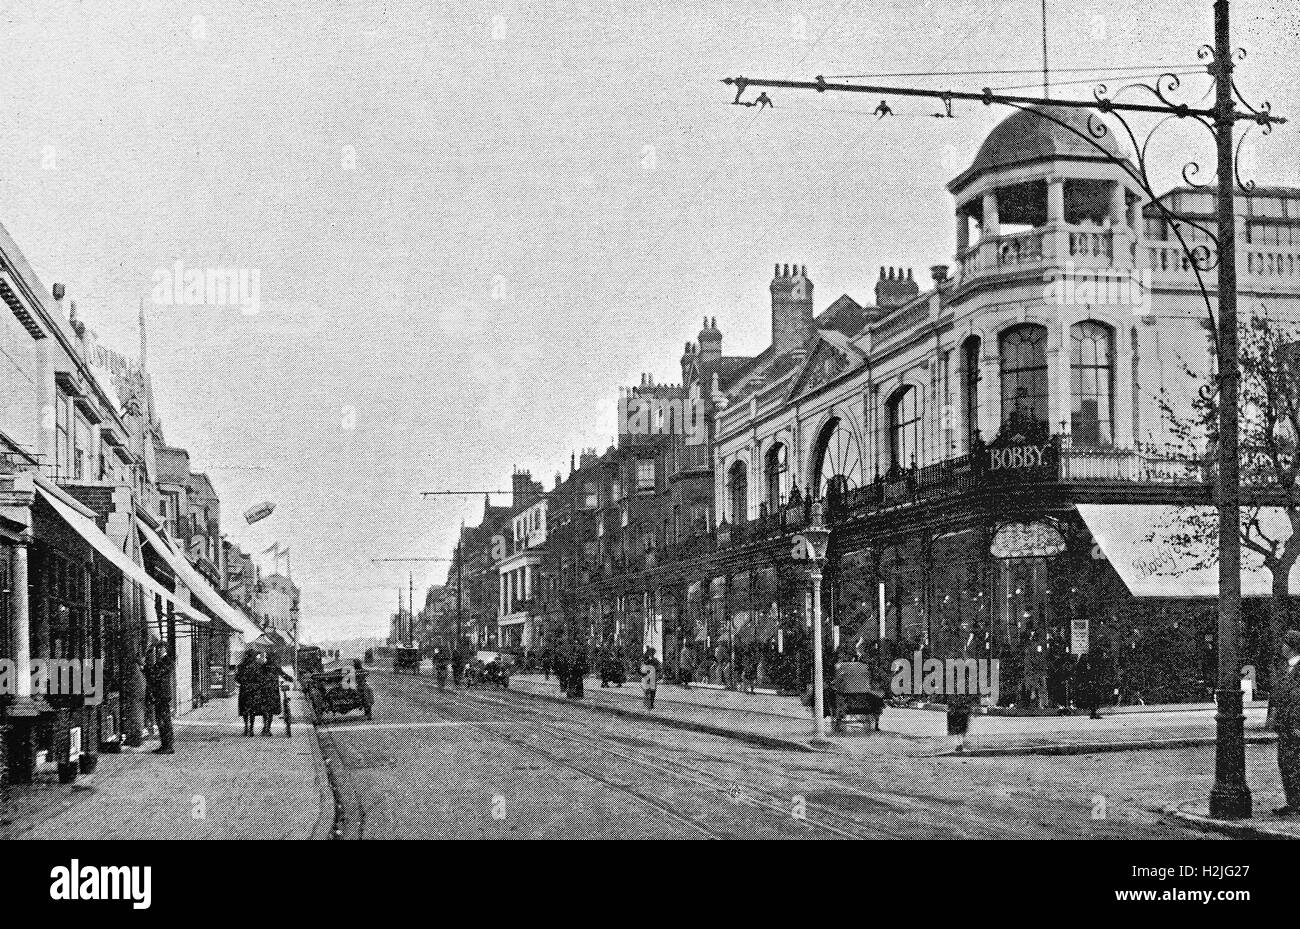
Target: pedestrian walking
1284,707
158,668
1087,683
246,676
561,667
267,701
578,667
686,665
650,669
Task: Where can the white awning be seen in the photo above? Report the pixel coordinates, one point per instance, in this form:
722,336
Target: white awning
200,587
86,527
1163,551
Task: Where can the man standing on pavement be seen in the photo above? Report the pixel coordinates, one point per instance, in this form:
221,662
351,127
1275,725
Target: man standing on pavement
650,669
686,665
158,683
1284,706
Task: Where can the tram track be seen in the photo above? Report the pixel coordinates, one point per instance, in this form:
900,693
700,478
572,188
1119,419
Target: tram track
815,817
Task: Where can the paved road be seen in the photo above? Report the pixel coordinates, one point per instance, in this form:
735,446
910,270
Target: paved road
496,764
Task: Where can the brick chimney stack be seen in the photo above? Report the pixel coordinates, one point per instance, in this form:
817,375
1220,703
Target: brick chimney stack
893,289
792,308
710,341
522,488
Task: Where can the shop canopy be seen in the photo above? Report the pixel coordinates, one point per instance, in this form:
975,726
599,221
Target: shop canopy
199,587
1165,551
89,531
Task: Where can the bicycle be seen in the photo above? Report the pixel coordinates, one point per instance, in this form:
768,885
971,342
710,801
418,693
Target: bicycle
288,714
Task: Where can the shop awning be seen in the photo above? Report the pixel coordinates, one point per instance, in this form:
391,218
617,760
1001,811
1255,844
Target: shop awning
199,587
1162,551
86,527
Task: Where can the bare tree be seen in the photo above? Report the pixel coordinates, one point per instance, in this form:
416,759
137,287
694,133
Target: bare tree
1270,461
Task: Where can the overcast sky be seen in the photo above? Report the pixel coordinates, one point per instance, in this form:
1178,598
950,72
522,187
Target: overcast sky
473,221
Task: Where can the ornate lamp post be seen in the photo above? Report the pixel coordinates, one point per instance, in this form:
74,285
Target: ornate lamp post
813,542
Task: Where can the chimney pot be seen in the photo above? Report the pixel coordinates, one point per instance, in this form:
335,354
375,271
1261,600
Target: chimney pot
909,274
59,291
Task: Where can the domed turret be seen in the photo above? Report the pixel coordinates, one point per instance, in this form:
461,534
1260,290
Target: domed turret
1045,189
1027,136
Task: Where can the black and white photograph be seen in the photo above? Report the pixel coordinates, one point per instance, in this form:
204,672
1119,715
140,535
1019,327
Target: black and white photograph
607,420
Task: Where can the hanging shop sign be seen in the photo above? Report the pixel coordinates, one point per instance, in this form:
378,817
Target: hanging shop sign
1031,461
1036,539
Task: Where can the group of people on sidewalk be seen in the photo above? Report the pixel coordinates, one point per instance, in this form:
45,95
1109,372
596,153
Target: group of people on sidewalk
259,690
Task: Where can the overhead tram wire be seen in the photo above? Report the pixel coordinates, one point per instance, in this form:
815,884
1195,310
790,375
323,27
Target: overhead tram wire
1153,66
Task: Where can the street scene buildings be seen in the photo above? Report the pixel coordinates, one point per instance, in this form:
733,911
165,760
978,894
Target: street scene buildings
977,517
110,543
998,455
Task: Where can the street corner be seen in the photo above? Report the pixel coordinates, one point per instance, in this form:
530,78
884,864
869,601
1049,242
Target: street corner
1196,814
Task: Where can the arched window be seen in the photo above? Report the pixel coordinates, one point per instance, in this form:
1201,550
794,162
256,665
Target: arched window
905,428
1092,384
774,468
738,492
970,386
1023,352
839,460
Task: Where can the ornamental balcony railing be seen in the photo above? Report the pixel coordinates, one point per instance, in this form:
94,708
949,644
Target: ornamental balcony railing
1267,266
1084,246
1001,465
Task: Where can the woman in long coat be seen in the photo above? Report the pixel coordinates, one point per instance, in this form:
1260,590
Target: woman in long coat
246,676
266,691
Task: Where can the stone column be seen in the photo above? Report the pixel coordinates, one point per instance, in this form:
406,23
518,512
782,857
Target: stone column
23,710
989,227
990,389
1118,208
1122,237
21,627
1055,200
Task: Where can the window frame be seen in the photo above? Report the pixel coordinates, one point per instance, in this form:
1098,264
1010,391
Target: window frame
1102,433
1008,374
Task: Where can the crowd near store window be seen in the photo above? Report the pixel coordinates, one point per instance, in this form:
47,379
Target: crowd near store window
1091,384
774,469
904,428
1023,352
738,492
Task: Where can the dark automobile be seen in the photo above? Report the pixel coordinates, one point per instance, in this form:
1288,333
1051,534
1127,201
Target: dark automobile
406,659
340,691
